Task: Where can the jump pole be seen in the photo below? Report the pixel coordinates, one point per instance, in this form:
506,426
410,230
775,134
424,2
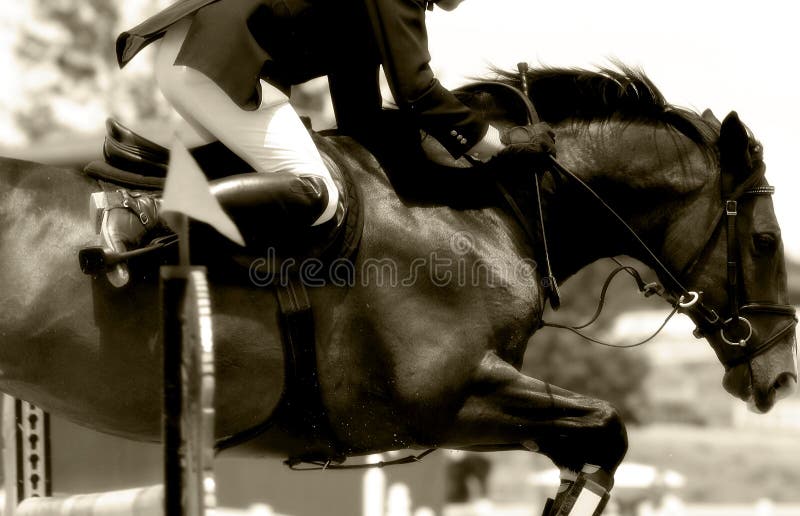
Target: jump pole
189,384
189,487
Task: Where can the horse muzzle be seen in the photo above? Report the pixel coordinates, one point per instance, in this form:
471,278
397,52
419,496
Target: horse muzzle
759,354
783,387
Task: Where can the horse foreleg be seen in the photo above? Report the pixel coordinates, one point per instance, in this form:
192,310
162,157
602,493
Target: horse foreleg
585,437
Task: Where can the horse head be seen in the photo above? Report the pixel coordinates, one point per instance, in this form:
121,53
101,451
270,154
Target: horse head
742,275
693,188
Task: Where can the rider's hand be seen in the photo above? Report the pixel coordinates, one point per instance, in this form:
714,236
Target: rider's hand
535,142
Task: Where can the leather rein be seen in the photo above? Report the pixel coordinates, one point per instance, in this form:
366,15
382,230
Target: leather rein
683,300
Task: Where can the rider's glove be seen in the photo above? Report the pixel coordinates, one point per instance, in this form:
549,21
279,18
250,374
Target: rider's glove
535,142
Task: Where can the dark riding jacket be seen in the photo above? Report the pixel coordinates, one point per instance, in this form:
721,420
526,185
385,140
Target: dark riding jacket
286,42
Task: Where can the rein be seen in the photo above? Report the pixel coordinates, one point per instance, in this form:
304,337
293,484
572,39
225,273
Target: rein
648,289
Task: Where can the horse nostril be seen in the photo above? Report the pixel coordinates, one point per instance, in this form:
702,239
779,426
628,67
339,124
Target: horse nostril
785,385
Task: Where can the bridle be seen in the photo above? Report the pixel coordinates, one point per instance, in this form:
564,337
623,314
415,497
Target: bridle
690,302
707,319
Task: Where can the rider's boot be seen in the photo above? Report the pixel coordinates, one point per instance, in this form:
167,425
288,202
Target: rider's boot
255,201
582,494
283,198
273,209
128,217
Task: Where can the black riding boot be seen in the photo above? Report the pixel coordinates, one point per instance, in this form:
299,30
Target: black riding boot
271,208
260,204
125,219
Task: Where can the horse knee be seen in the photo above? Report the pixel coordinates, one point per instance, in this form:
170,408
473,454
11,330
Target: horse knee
612,438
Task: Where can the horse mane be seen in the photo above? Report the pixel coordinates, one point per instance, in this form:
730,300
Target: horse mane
624,93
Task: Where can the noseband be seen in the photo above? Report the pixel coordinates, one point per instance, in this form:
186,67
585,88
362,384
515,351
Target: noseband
707,319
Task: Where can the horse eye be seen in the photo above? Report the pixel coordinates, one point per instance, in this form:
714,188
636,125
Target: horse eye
765,242
756,150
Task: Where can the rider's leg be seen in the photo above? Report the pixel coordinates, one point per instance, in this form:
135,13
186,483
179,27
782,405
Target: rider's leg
271,139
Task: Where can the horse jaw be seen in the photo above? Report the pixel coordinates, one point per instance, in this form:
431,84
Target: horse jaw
766,379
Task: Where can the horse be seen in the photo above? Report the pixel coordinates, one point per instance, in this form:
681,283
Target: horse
424,348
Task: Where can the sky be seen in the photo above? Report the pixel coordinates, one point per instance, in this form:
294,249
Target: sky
723,55
731,55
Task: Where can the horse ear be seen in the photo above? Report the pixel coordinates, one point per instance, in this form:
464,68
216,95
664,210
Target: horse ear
734,147
711,118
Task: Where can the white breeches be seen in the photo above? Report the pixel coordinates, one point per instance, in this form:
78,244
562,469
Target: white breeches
270,139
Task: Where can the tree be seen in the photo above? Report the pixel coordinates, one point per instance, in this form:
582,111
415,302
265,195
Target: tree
71,77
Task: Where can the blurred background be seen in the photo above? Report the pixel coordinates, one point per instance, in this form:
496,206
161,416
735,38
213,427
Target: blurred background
693,449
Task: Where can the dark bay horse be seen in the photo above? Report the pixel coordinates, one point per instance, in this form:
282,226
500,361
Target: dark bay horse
423,348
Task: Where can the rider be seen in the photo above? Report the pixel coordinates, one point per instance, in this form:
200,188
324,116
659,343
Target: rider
227,66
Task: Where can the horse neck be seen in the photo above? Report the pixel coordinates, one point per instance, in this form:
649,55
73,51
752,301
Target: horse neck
656,178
